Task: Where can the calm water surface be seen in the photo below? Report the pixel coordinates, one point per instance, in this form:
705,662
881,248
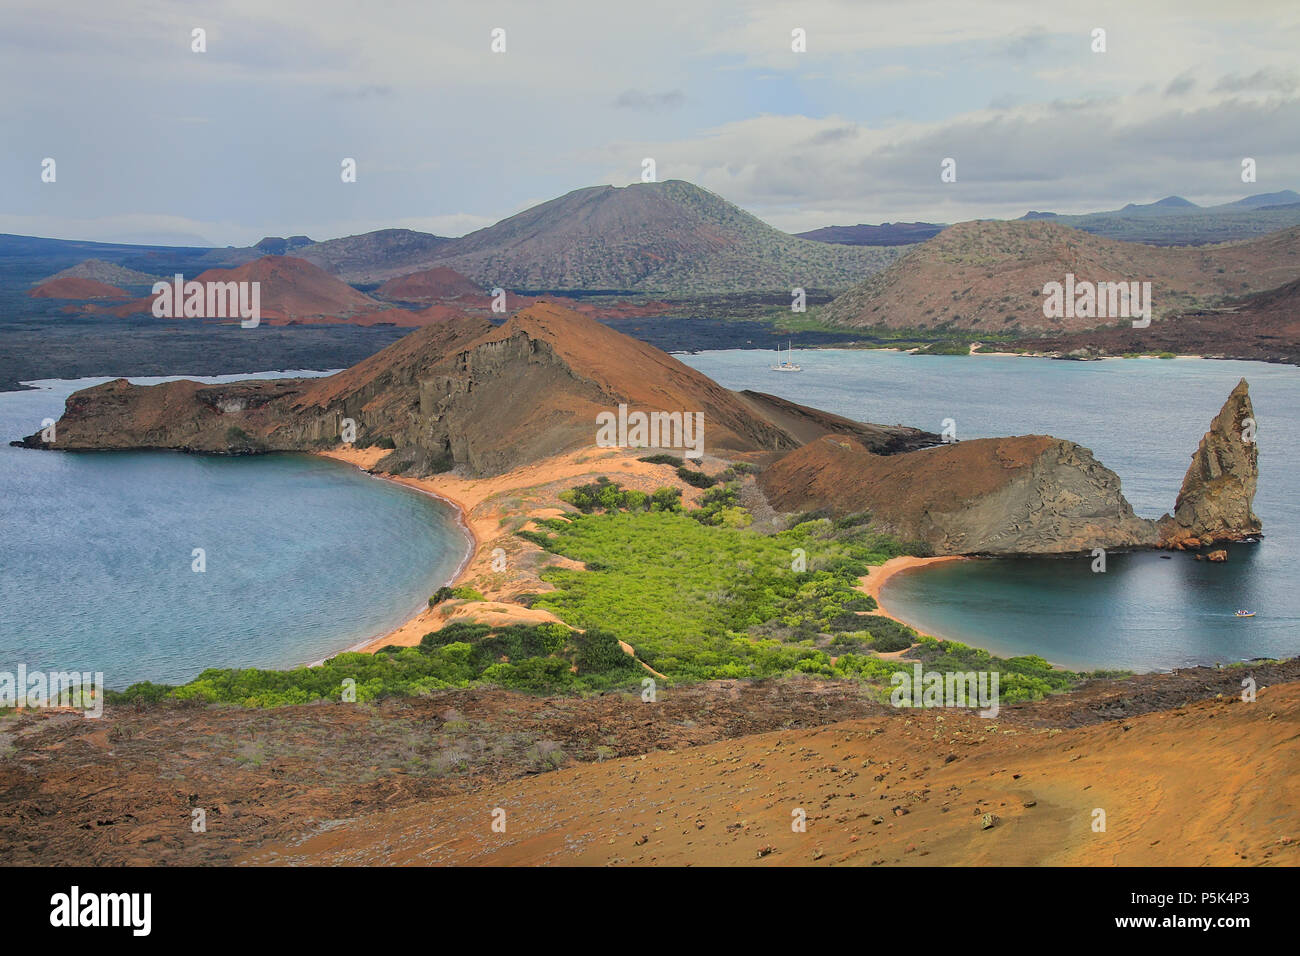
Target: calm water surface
1143,419
304,557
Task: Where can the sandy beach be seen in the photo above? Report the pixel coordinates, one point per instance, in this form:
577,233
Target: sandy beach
875,578
491,510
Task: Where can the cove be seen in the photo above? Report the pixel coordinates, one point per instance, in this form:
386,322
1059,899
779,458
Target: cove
1142,418
303,557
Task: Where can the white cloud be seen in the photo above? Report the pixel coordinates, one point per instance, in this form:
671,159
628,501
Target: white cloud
1086,154
245,140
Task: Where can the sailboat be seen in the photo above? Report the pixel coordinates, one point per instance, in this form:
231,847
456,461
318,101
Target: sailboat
787,365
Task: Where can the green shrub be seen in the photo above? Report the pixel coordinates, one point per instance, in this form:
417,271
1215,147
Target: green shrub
697,478
537,658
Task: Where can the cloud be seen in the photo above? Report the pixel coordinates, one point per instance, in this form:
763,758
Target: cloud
246,139
366,91
1261,81
649,102
1076,155
1022,46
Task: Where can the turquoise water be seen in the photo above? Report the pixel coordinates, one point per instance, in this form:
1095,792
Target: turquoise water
1143,419
304,557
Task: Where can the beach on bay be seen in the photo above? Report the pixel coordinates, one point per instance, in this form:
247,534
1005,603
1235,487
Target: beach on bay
874,580
490,510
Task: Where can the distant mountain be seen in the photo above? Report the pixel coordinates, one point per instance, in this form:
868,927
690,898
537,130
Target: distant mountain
885,234
989,276
108,273
75,287
1285,197
275,246
436,283
375,256
1175,221
669,237
1169,206
1172,221
290,289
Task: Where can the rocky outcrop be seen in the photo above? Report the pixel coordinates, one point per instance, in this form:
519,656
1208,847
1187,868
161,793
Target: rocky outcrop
249,417
456,393
1028,495
485,400
1218,492
807,424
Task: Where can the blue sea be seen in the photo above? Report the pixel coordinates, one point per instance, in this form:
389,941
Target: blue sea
1143,419
302,557
305,557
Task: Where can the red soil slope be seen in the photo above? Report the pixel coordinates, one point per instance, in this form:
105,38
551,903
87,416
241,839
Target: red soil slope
72,288
291,289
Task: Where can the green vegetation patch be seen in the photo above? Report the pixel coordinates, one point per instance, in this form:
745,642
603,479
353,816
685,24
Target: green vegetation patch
606,495
536,658
696,593
701,601
463,593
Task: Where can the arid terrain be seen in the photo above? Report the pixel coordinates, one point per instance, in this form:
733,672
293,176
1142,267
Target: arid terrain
989,277
1262,327
708,773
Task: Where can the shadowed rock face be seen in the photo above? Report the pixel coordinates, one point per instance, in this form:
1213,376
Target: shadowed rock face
1027,495
456,393
485,400
1218,491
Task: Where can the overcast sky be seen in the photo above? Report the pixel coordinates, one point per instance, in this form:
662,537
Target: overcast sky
156,143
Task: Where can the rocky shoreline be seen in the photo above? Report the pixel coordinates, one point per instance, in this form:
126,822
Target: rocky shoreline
481,401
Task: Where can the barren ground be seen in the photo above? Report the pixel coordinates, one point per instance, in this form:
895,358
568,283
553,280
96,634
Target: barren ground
708,773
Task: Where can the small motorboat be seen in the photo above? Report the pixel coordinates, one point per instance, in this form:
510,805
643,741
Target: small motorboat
1245,614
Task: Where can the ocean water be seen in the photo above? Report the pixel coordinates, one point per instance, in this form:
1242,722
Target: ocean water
304,557
1143,419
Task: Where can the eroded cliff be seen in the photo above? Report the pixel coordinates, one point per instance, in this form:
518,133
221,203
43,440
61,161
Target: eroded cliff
1031,494
1215,503
457,393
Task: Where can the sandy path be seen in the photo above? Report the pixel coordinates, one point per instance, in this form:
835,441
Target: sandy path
485,505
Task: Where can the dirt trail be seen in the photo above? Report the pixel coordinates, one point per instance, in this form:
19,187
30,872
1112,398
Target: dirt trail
492,509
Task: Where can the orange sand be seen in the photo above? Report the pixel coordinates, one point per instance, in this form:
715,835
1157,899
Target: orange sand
484,504
874,579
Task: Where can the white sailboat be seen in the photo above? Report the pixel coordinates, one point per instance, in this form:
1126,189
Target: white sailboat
787,365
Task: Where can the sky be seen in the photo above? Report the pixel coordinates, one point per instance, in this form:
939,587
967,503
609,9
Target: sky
154,142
